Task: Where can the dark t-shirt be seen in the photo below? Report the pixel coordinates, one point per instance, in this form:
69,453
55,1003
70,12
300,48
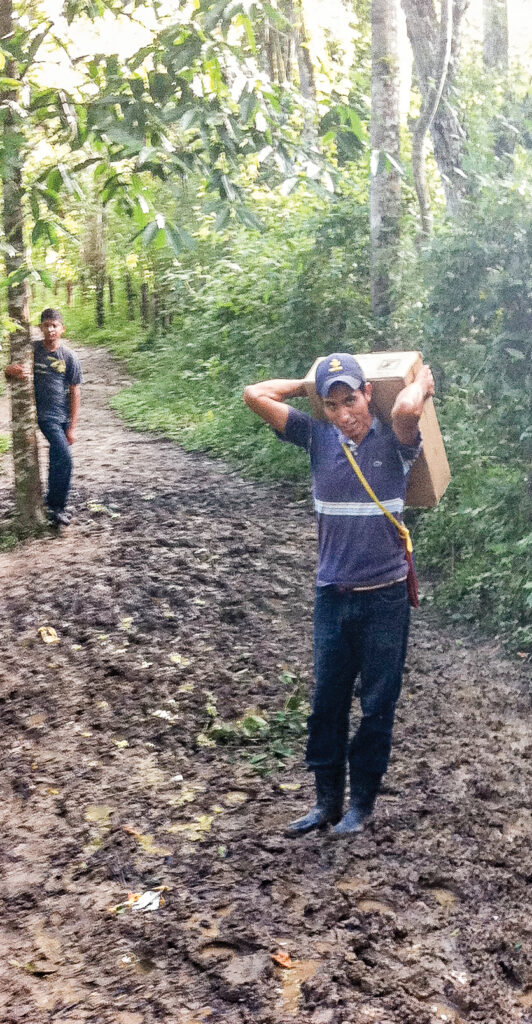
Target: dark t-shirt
53,374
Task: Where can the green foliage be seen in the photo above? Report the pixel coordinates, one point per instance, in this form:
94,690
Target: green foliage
8,536
478,542
246,305
251,283
242,306
473,320
193,104
480,302
271,736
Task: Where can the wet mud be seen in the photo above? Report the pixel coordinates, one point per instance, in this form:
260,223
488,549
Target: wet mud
158,747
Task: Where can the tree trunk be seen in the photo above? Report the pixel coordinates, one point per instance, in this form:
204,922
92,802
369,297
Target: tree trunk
94,254
28,495
100,300
130,295
307,85
279,58
385,185
448,136
428,111
495,36
144,305
111,287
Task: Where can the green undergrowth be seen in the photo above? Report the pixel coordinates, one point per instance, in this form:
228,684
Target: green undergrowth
267,740
253,306
8,537
476,544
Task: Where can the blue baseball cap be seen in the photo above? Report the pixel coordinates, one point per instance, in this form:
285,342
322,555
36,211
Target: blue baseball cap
339,368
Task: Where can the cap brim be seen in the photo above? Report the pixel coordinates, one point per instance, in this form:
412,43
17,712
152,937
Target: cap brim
352,382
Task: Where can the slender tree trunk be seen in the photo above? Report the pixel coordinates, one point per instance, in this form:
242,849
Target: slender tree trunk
95,259
28,495
307,85
268,51
495,37
428,111
100,300
100,267
130,295
448,136
279,58
385,186
144,304
111,287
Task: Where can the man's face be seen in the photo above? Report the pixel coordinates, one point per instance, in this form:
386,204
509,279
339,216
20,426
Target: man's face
349,410
52,331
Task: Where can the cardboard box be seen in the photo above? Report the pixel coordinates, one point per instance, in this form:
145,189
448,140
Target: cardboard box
389,372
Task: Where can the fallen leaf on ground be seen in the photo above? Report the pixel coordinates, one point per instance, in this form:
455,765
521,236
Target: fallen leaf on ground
204,741
98,813
282,959
35,967
193,830
168,716
48,635
179,659
147,842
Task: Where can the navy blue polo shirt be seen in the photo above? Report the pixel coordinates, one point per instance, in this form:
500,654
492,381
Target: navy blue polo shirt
357,545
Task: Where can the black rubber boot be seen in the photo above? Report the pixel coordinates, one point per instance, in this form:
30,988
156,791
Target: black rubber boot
330,785
363,793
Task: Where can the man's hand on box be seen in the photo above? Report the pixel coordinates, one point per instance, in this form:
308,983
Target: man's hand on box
426,381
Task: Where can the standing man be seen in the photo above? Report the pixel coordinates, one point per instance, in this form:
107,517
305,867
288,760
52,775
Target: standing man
56,379
362,610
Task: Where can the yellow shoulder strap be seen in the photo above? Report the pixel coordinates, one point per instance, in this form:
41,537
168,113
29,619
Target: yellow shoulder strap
403,531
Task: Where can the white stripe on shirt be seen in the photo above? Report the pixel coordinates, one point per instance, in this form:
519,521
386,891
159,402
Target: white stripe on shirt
356,508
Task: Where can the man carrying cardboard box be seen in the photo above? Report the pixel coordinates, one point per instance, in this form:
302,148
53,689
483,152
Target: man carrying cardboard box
362,610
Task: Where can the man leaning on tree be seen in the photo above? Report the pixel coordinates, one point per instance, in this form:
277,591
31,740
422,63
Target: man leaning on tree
56,380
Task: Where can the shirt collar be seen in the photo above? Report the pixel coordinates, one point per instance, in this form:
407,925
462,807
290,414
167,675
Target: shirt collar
353,444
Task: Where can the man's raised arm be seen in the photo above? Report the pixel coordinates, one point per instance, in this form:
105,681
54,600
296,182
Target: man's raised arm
268,399
408,406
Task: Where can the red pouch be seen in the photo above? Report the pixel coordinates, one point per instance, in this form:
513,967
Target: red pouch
411,581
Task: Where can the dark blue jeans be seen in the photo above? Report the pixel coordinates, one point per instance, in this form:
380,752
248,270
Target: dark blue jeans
357,632
60,467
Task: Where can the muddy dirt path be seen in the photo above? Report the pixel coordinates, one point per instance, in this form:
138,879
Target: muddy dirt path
181,596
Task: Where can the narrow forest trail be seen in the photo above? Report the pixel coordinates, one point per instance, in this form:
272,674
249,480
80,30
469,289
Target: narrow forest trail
181,592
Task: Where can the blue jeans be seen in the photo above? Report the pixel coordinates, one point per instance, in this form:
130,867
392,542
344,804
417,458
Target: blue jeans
60,466
357,632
